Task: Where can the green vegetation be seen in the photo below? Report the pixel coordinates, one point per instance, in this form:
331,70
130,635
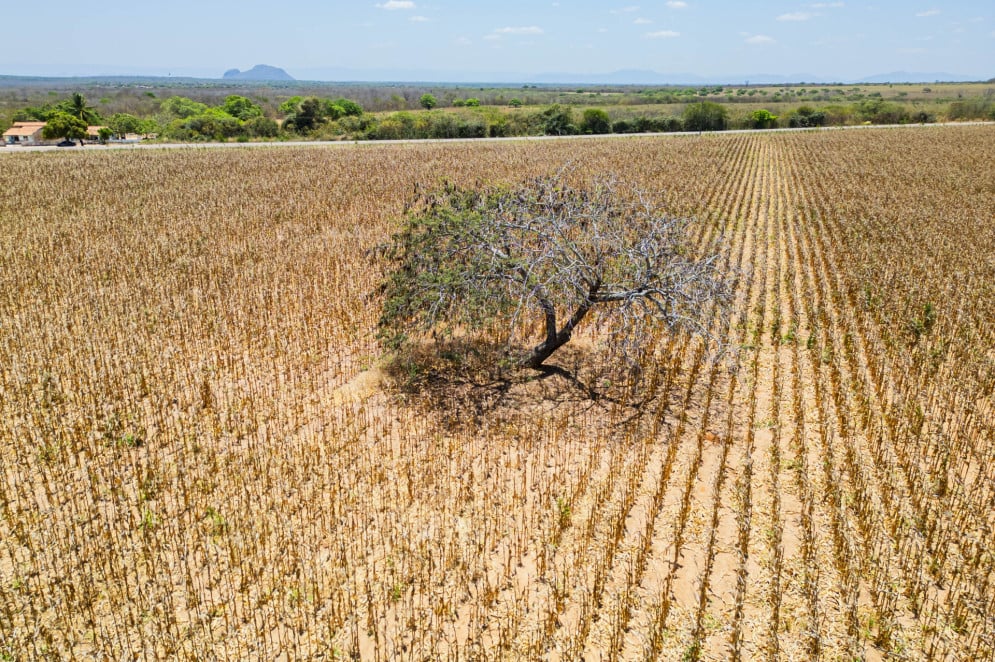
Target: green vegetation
805,117
595,121
558,121
706,116
371,112
762,119
63,125
241,108
77,106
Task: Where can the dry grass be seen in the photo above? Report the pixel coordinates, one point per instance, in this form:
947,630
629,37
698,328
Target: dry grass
201,456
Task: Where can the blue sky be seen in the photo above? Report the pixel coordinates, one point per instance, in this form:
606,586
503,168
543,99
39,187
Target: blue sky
839,40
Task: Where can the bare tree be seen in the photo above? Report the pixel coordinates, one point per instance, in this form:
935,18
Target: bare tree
472,258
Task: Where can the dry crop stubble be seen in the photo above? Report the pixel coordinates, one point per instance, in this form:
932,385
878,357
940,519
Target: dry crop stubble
200,456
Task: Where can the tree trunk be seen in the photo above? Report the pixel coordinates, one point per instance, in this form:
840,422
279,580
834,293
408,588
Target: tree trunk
544,350
555,339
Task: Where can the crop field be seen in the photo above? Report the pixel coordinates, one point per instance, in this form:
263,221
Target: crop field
204,456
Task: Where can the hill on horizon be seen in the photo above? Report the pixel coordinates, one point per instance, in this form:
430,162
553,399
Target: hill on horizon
258,72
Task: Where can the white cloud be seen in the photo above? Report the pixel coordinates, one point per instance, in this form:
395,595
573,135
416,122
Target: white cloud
391,5
759,39
642,21
796,16
531,29
663,34
419,19
928,12
677,4
463,41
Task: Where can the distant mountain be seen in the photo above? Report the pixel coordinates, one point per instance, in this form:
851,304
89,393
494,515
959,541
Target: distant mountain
265,74
913,77
258,72
619,77
645,77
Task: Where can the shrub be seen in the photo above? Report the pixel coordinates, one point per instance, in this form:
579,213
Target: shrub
762,119
706,116
213,124
123,123
558,121
877,111
349,107
182,107
261,127
622,126
241,108
972,109
805,117
595,120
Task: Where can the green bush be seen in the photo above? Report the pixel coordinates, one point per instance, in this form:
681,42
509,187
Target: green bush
435,124
595,120
762,119
290,105
557,120
261,127
877,111
972,109
622,126
397,126
705,116
182,107
241,108
498,128
644,124
805,117
122,123
212,124
525,124
349,107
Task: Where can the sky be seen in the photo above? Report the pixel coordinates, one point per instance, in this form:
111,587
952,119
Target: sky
428,39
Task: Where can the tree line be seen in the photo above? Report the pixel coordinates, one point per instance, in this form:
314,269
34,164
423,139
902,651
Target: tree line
241,118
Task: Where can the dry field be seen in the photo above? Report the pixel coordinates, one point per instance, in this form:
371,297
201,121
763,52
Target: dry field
200,457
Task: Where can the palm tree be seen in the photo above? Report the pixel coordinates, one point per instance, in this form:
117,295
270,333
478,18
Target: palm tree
77,107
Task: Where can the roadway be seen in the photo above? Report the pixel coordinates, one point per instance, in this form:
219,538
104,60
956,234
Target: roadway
24,149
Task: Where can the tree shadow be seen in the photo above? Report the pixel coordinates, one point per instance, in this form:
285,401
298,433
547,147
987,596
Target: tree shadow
473,383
